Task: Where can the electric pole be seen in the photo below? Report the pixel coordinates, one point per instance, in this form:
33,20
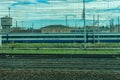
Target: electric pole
84,19
93,28
66,17
32,27
22,23
9,11
108,3
98,28
111,25
118,24
75,21
16,24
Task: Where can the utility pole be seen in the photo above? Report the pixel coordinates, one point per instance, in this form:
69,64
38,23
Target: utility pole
32,27
22,23
108,3
93,20
75,21
98,29
93,28
84,19
9,11
16,24
111,25
66,17
118,24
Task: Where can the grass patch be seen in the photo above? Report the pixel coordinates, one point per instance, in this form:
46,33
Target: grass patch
4,48
43,45
59,45
61,51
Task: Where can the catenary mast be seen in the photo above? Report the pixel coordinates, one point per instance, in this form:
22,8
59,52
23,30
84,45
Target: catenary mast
84,19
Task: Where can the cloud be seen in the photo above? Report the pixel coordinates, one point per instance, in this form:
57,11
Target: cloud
28,2
43,1
89,0
22,3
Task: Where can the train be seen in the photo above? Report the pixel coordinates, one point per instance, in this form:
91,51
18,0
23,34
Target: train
60,37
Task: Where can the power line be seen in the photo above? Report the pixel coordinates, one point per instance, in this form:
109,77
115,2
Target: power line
109,17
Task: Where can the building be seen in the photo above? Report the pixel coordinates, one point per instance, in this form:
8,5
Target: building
6,23
55,29
24,30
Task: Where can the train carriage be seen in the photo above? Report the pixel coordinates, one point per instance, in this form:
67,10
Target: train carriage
59,37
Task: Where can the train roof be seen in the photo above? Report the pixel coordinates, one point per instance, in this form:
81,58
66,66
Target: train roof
33,34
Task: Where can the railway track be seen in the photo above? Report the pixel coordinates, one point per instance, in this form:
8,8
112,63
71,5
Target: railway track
54,56
61,63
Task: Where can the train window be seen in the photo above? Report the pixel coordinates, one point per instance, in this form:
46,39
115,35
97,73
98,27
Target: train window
3,36
109,36
59,36
79,36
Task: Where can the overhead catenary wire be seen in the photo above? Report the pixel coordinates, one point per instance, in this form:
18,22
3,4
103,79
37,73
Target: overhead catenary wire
109,17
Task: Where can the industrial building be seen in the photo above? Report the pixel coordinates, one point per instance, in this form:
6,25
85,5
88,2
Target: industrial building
55,29
6,23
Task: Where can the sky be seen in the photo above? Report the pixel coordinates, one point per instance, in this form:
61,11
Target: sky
40,13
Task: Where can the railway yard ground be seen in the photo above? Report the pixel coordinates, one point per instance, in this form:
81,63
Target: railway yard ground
59,62
59,68
59,75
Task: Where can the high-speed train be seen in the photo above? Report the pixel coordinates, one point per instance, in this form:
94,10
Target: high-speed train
60,37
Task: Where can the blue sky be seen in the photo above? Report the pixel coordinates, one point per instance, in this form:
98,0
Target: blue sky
49,12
